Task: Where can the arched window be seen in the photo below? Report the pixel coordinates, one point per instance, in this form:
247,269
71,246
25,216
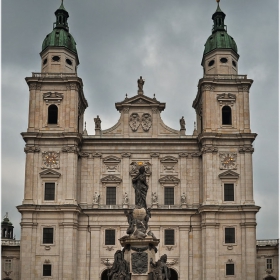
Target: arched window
52,114
226,115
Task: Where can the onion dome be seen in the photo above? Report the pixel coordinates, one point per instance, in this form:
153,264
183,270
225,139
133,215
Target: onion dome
219,39
60,36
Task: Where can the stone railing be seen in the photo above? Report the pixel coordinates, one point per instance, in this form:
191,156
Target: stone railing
268,242
53,75
11,242
225,77
120,206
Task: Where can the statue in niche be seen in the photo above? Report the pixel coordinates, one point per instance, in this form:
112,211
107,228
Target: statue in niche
120,268
97,122
160,269
140,83
141,188
96,198
125,198
154,198
182,123
183,198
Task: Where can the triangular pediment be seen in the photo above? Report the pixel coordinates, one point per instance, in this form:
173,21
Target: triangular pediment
111,179
49,173
169,179
140,100
229,174
169,159
111,159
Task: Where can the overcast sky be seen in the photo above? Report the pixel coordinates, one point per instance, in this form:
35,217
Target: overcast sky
163,41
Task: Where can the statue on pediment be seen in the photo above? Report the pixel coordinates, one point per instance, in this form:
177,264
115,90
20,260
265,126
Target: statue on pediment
140,83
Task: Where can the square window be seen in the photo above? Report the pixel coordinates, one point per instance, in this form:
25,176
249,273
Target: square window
47,235
268,263
229,235
49,191
169,196
47,270
110,237
169,237
228,192
111,196
229,269
8,265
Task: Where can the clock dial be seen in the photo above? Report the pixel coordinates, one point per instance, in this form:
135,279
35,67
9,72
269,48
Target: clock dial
51,159
228,161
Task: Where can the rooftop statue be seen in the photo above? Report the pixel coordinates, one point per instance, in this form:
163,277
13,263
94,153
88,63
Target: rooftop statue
140,83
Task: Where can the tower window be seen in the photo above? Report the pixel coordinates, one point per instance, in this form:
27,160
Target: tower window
8,265
268,263
45,61
229,269
169,237
169,196
212,62
49,191
110,236
47,235
226,115
228,192
224,60
229,235
111,196
56,58
234,63
52,114
68,61
47,270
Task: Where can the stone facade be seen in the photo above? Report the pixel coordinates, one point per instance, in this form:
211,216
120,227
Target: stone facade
78,185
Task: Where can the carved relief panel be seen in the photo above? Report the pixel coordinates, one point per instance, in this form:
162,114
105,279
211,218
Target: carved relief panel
169,165
135,165
145,120
111,164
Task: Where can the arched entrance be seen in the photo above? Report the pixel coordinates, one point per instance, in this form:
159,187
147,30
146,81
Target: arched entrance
104,275
269,278
174,275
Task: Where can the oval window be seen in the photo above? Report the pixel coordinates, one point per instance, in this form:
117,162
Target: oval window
224,60
56,58
45,61
234,63
68,61
212,62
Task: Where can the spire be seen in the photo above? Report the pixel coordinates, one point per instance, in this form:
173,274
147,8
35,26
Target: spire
218,19
61,17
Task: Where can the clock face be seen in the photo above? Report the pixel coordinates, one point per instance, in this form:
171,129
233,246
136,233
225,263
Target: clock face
228,161
51,159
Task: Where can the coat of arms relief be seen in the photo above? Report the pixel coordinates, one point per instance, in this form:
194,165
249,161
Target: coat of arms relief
145,121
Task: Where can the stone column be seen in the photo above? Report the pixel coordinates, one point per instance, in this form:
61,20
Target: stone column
126,177
183,169
96,177
95,252
184,251
155,118
84,177
155,176
126,126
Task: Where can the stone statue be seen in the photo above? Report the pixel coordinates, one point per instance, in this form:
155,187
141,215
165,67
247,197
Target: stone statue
96,198
154,198
130,220
125,198
141,188
120,268
140,83
97,121
183,198
182,123
160,269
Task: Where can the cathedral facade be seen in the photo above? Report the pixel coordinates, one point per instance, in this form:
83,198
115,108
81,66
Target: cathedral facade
78,186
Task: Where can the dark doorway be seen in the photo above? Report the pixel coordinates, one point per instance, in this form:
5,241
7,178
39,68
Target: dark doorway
174,275
269,278
104,275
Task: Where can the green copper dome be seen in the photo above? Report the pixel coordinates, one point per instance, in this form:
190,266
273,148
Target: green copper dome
219,39
60,36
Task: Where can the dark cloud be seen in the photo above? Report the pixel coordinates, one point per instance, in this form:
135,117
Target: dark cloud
161,40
